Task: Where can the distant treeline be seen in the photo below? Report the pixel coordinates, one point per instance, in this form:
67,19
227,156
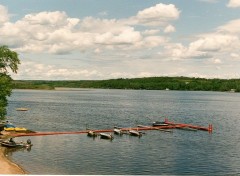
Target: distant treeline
151,83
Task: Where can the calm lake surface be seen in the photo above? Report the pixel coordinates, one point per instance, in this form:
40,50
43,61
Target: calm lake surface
155,153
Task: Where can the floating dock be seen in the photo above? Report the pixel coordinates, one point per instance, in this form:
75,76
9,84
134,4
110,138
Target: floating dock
170,125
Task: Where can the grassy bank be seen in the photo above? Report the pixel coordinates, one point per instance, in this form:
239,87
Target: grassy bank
151,83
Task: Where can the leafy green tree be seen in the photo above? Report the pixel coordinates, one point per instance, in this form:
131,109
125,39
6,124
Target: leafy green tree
8,62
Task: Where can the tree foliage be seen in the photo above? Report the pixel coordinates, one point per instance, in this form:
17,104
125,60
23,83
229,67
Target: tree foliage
151,83
8,62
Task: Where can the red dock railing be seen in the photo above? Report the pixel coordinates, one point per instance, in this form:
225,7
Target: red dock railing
171,125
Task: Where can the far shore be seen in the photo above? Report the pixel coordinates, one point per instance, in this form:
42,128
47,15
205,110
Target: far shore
7,166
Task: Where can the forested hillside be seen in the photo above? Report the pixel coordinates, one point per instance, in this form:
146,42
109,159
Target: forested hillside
151,83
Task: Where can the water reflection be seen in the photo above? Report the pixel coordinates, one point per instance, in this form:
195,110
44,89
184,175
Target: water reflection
11,151
178,153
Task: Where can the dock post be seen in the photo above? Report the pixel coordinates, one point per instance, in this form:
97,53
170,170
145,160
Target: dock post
166,120
210,128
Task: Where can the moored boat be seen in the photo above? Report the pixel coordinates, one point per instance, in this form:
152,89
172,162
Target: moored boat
135,133
106,136
92,133
22,109
12,144
157,123
118,131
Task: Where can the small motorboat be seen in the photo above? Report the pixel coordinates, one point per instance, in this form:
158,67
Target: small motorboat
157,123
118,131
106,136
135,133
22,109
92,133
12,144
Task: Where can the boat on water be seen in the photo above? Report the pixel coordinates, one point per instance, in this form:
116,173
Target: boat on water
92,133
22,109
12,144
157,123
135,133
118,131
106,136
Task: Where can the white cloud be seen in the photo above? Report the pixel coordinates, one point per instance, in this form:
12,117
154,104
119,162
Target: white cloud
235,55
4,17
42,71
55,32
127,36
233,3
169,29
231,27
215,61
177,51
159,14
215,42
151,32
113,48
47,18
219,44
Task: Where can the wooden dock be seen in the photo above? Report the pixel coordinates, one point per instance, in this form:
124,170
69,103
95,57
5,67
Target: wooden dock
170,125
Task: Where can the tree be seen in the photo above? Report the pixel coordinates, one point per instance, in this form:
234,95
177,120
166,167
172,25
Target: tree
8,62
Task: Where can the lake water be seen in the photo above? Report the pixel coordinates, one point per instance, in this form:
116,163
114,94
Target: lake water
155,153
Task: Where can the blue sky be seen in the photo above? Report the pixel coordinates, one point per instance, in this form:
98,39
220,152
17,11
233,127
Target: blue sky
90,39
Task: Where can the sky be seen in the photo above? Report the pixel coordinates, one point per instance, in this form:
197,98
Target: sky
108,39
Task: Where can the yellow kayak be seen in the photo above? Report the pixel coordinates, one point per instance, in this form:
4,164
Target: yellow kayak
9,129
18,129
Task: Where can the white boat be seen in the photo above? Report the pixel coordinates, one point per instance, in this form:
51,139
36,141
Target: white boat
22,109
92,133
157,123
106,136
118,131
135,133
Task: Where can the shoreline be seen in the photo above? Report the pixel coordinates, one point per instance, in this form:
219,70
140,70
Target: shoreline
7,166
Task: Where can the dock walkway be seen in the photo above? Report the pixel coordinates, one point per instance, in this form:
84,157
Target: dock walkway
170,125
